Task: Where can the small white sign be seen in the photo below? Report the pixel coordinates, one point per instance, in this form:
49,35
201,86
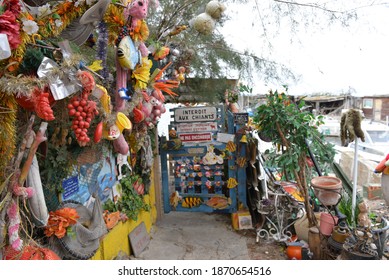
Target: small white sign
225,137
196,127
195,114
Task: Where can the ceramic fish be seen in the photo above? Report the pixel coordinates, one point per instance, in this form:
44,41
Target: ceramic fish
231,146
128,55
231,183
218,202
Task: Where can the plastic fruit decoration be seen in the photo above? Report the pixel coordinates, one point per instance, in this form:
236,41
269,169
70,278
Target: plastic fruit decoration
98,132
139,187
40,102
82,109
294,252
139,116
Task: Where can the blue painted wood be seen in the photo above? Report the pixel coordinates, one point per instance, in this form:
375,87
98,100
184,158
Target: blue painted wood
199,188
165,182
242,178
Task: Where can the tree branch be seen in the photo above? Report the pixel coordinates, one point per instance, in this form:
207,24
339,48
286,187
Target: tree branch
316,6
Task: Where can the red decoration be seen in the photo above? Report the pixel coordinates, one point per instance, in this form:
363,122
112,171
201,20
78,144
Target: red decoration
40,102
30,252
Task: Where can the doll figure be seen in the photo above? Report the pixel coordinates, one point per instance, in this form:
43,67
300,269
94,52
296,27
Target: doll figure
363,216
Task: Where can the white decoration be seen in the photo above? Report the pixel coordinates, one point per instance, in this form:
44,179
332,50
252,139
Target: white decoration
204,24
215,9
30,27
5,50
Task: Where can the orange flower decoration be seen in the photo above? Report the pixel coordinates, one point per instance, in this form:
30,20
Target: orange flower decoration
59,220
161,53
164,85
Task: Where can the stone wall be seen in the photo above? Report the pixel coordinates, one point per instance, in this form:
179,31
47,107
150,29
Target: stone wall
366,166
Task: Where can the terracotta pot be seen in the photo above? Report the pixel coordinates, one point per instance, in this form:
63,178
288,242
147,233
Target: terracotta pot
327,189
327,223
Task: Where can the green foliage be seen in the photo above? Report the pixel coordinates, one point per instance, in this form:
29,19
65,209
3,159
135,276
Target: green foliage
31,61
56,167
281,115
207,56
130,202
345,207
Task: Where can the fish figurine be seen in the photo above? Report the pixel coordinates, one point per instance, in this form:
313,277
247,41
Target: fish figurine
128,54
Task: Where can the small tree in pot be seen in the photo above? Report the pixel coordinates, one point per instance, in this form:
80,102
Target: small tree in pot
289,128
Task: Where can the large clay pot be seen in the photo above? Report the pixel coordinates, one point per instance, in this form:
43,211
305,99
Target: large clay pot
327,189
301,226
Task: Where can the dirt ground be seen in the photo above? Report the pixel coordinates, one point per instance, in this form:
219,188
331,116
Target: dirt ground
263,249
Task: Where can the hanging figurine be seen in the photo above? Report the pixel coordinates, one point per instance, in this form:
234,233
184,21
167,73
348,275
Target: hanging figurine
122,160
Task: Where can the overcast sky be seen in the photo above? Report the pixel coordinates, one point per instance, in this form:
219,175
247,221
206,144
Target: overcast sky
332,60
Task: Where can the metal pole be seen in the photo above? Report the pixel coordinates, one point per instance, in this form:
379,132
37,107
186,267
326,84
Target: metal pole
355,176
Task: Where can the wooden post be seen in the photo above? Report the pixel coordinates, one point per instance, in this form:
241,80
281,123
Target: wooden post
157,177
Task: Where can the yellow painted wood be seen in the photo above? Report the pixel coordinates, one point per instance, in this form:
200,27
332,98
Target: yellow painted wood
117,240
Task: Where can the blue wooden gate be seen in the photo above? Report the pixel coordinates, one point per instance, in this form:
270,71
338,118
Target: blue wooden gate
202,174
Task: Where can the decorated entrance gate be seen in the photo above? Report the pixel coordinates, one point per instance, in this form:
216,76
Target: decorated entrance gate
200,170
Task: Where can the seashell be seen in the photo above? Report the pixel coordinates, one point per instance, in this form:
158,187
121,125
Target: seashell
360,233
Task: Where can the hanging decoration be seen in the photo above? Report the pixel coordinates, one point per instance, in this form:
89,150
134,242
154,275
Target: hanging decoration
43,76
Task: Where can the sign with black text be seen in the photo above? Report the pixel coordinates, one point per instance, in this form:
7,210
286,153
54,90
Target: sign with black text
193,114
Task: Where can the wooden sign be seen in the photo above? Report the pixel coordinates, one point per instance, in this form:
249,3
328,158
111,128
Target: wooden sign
195,114
139,239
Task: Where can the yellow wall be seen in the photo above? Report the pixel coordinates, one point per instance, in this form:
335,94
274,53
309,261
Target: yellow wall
117,239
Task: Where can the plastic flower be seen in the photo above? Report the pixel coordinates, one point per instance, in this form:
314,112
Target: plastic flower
44,10
13,6
59,220
30,27
161,53
58,23
142,73
10,27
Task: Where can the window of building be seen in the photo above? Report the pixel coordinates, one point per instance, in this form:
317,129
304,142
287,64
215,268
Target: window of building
367,103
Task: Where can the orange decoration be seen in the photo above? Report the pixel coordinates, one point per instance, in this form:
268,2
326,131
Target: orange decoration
59,220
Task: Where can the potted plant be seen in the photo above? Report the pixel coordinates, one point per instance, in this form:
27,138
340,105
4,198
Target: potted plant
290,128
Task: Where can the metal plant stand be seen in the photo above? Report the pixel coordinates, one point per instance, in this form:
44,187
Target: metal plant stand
283,215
